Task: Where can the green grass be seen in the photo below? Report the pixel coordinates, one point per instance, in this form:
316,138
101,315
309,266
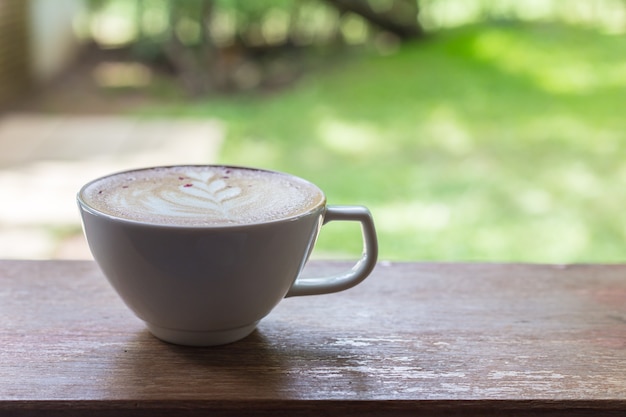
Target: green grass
486,143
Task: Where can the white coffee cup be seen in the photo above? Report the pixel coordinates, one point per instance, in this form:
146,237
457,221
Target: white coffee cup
202,253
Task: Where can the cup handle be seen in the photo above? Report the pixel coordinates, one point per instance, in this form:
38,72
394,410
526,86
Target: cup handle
352,277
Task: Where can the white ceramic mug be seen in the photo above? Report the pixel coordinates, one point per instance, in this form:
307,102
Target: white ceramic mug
203,285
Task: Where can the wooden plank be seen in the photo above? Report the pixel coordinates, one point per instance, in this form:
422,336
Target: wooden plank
419,339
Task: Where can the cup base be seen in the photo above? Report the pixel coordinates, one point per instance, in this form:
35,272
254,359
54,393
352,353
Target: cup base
201,338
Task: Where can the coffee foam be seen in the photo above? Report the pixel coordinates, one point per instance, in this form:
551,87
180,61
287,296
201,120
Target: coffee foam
201,195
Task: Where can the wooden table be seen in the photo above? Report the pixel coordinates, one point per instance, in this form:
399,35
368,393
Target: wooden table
413,339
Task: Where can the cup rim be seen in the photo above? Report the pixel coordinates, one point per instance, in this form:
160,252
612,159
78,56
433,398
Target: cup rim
321,204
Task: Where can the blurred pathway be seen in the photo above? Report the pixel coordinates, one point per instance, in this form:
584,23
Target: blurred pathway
44,160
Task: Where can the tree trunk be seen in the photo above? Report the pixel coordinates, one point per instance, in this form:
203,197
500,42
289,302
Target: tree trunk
193,65
400,19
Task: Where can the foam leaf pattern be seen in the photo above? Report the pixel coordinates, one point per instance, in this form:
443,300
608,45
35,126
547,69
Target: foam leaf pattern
203,192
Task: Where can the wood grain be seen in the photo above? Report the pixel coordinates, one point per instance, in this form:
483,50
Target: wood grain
413,339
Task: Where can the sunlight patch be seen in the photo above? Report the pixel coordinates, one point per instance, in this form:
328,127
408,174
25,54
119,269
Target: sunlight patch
275,26
552,71
535,201
448,132
582,180
413,216
548,238
562,236
258,151
573,132
349,138
606,15
122,74
113,27
582,77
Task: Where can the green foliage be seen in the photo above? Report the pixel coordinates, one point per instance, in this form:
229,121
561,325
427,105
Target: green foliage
490,143
253,7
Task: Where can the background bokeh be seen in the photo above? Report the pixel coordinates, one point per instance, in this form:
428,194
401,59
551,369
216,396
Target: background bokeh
473,130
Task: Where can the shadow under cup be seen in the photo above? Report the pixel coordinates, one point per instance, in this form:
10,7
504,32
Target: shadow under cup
211,285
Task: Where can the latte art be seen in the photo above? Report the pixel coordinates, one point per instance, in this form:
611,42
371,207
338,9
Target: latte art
197,193
201,195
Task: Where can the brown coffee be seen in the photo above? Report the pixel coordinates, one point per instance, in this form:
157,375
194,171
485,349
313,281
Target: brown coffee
202,195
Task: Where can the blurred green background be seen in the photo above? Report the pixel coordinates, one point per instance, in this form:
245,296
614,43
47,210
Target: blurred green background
490,142
473,130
